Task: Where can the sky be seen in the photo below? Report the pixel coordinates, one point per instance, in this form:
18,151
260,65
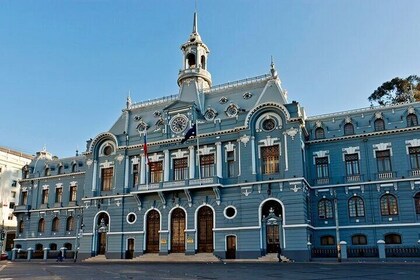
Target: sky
66,67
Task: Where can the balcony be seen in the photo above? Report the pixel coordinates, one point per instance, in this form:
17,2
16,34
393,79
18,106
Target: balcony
353,178
385,175
414,173
22,208
177,184
322,181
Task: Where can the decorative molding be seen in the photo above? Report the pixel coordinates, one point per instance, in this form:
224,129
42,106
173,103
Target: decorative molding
292,132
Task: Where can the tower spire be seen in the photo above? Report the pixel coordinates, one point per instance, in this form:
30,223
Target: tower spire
195,24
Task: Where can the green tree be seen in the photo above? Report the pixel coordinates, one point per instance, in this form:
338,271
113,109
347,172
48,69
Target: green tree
397,90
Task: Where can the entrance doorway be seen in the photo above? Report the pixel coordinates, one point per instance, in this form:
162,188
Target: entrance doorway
102,226
152,232
178,231
231,247
205,230
130,249
271,225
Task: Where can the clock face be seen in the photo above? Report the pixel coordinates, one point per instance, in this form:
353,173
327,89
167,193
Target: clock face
179,123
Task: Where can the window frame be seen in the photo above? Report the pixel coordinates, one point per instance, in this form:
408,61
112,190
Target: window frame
379,125
270,159
359,239
414,154
325,209
387,207
417,203
55,224
41,225
412,120
352,164
107,175
388,238
156,171
356,207
207,165
327,240
348,129
180,170
383,161
322,166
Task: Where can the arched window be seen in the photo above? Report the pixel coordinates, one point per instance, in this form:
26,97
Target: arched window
325,209
60,170
417,202
68,246
191,60
53,247
392,238
379,125
359,239
47,171
38,247
356,207
55,224
41,225
348,129
389,205
319,133
412,120
74,167
70,224
327,240
203,62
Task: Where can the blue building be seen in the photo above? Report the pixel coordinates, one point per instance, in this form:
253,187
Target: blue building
234,170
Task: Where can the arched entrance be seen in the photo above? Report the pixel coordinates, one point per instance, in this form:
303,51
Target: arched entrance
152,232
205,230
178,231
102,226
271,225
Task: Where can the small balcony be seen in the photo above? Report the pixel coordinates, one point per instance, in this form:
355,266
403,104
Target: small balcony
353,178
180,183
322,181
414,173
22,208
385,175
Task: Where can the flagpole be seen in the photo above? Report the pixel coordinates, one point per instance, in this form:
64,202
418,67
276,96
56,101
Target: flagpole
198,151
146,159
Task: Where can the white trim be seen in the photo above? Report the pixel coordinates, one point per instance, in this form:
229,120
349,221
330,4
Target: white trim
236,241
44,238
196,224
283,213
125,232
170,226
237,228
230,206
145,225
135,218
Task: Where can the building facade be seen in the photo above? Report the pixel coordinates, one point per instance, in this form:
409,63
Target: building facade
11,164
235,170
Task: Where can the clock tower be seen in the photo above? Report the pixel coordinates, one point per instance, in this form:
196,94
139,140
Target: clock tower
194,66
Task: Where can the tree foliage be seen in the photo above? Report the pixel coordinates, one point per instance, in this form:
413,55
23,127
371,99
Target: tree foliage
397,90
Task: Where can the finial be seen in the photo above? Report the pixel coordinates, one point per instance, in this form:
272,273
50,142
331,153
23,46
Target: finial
273,69
128,103
195,24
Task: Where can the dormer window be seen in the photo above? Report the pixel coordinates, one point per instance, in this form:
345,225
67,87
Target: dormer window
348,129
60,170
379,125
232,110
319,133
47,171
210,114
107,150
412,120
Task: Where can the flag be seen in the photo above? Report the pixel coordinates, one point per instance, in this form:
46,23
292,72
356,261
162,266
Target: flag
190,133
145,147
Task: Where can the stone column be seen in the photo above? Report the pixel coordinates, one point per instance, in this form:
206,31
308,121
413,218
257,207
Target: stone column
381,249
192,162
95,170
142,170
166,166
127,169
254,169
219,159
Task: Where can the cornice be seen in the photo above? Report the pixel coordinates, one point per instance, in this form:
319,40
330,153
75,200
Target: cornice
52,176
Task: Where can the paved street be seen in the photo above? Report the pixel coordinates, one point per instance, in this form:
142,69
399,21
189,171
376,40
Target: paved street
231,271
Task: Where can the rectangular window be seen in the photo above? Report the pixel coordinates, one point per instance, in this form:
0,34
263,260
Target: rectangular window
414,157
13,194
180,169
322,167
73,193
135,174
156,171
270,159
383,159
230,158
58,195
352,164
14,183
11,205
207,165
45,196
107,175
24,198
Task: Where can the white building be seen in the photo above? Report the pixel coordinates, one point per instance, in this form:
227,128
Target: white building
11,163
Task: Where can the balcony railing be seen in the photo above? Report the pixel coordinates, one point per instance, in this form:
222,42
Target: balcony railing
181,183
322,181
415,173
402,252
353,178
386,175
25,207
362,252
330,252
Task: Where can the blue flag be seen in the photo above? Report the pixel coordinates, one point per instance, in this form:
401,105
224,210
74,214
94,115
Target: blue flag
190,133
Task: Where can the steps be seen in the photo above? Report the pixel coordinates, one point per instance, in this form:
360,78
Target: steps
178,257
272,257
98,258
